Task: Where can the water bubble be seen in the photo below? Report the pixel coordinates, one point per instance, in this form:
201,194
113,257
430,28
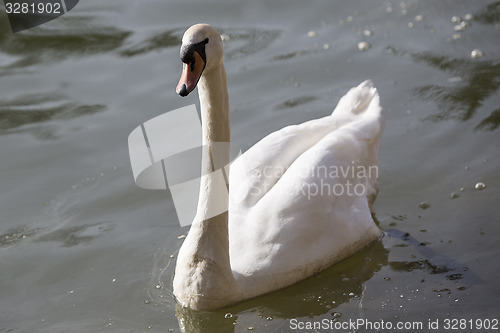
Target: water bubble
326,46
461,26
363,46
476,54
336,314
147,302
367,33
312,34
424,205
181,236
158,286
388,9
228,315
419,18
454,195
387,278
455,19
455,79
350,18
250,328
468,17
410,25
390,50
480,186
269,318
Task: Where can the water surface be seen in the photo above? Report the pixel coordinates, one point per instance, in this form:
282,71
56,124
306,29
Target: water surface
83,249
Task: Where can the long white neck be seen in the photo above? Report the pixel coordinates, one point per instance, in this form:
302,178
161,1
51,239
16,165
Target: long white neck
203,277
214,103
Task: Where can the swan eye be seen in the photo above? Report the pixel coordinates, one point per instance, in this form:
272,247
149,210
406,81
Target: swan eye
187,53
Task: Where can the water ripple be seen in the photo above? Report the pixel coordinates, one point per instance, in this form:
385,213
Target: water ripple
243,42
41,107
480,81
159,41
77,37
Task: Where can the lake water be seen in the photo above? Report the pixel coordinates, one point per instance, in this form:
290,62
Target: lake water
83,249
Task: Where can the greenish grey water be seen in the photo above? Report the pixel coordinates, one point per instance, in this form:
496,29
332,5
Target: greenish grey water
83,249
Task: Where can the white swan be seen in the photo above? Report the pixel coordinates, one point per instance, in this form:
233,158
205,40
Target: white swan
287,215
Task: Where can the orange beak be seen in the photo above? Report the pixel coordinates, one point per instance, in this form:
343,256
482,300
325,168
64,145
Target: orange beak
190,76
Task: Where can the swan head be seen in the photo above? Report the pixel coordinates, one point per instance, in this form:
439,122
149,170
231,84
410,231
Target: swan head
201,51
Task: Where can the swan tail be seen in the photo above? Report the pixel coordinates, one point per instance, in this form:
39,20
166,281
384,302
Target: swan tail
359,100
360,112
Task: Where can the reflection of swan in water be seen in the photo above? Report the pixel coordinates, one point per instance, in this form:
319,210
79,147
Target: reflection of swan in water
279,229
313,297
339,284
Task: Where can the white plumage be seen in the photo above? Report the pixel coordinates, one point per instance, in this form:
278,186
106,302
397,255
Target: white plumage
299,200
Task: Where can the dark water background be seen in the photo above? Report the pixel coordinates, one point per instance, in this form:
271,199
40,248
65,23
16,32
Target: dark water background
83,249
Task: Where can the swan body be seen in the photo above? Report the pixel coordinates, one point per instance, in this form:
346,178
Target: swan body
299,200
